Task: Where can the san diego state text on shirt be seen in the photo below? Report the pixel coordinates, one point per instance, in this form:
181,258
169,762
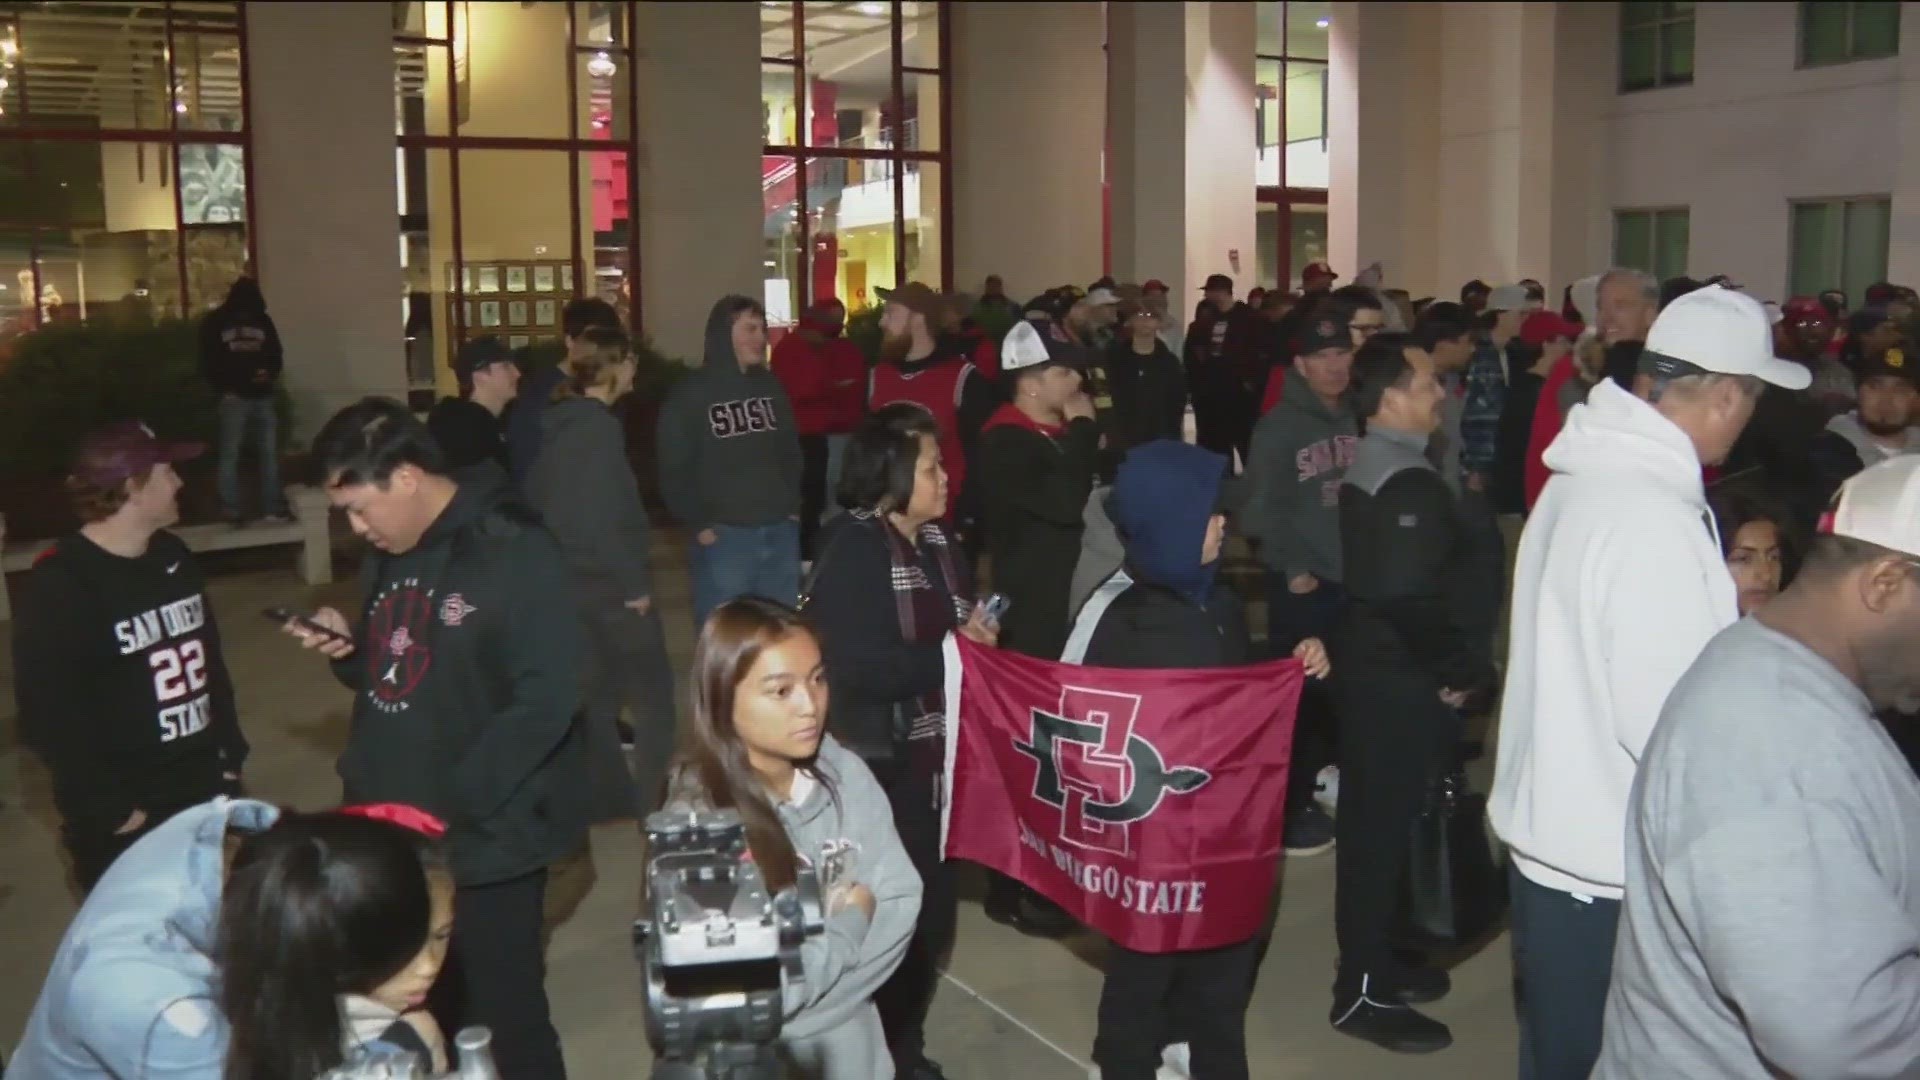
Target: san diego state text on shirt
178,659
742,416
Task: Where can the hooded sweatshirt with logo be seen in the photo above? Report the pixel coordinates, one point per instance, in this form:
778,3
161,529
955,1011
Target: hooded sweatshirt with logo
240,349
1618,585
832,1027
467,686
729,448
1299,455
132,991
585,492
121,681
1173,614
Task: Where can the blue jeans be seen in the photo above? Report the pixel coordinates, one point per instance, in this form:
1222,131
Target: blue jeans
1562,963
746,560
237,416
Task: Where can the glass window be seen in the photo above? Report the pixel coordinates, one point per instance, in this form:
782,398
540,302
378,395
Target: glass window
861,207
1656,44
1839,244
1306,239
514,125
1290,95
1839,31
1651,240
149,221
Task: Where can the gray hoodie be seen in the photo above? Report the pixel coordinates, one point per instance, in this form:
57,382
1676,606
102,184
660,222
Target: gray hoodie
582,486
1299,455
729,450
832,1028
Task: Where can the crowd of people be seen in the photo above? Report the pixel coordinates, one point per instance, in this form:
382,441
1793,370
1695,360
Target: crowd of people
1681,793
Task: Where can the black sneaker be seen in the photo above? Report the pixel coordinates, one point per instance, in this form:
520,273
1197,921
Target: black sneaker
1387,1024
916,1068
1308,831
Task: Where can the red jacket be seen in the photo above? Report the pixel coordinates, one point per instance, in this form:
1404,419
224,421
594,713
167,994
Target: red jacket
1547,419
1276,384
825,377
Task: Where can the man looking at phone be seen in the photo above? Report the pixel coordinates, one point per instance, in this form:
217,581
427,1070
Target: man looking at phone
119,676
466,672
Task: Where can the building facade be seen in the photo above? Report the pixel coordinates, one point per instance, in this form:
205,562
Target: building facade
405,176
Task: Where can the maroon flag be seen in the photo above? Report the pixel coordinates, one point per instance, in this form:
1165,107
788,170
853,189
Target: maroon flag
1146,803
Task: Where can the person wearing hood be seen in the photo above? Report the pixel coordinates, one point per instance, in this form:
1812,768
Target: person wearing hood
825,379
468,427
922,364
1618,585
465,667
523,420
1038,456
1166,609
1301,451
240,357
730,465
1415,646
584,489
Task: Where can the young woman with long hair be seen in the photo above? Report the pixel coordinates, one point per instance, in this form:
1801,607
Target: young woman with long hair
332,929
757,744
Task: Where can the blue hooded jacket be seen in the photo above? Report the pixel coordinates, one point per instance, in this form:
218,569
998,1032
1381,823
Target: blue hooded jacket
1162,499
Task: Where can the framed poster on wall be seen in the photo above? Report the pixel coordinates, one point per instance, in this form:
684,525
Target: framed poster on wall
543,278
566,277
516,279
489,280
516,313
544,312
489,313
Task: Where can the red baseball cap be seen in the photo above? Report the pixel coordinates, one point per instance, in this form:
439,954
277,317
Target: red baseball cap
1319,269
1806,309
1543,326
114,452
1155,285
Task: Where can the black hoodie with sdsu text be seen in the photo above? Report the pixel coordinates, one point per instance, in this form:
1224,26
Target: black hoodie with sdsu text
121,682
468,686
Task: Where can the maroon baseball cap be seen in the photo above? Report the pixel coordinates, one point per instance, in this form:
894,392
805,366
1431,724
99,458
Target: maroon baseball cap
114,452
1319,269
1154,285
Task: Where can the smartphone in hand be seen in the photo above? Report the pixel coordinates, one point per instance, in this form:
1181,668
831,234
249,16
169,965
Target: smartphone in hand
281,616
993,608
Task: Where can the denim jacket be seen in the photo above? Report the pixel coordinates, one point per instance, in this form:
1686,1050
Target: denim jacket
1480,414
131,992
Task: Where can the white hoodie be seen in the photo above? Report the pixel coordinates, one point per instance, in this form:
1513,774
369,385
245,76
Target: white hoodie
1618,585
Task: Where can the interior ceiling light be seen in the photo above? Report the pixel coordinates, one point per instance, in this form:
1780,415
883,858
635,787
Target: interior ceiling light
1321,23
601,66
873,9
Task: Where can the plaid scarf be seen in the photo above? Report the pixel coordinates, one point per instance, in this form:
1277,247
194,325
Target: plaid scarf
927,611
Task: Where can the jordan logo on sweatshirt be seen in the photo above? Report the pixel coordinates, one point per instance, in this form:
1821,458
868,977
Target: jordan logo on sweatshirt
742,416
397,626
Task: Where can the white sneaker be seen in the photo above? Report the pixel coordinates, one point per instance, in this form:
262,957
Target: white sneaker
1176,1063
1326,788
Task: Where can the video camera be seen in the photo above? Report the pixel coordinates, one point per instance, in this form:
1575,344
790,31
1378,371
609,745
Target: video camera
715,949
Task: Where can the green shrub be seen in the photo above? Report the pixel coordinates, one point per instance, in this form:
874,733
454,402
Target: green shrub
60,382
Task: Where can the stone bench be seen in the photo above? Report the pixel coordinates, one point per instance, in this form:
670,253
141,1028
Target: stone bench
308,529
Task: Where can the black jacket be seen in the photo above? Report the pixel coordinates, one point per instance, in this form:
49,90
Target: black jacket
874,674
239,346
1422,596
468,686
1036,485
585,490
121,683
1149,394
1152,626
468,433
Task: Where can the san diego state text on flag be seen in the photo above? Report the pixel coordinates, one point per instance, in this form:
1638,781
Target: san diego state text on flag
1146,803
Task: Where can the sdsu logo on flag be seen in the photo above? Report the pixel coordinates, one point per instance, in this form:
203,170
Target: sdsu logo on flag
1146,803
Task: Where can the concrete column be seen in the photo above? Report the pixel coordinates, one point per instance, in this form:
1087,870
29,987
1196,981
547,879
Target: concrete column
1183,143
1382,112
1029,102
323,174
1903,232
699,162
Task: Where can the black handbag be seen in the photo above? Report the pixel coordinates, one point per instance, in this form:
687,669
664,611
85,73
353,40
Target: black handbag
1455,892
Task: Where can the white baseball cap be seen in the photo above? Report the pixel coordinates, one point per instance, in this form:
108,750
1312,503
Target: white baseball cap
1880,505
1719,331
1102,297
1031,344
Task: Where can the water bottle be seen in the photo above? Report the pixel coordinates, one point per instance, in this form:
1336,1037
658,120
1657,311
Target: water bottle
475,1047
